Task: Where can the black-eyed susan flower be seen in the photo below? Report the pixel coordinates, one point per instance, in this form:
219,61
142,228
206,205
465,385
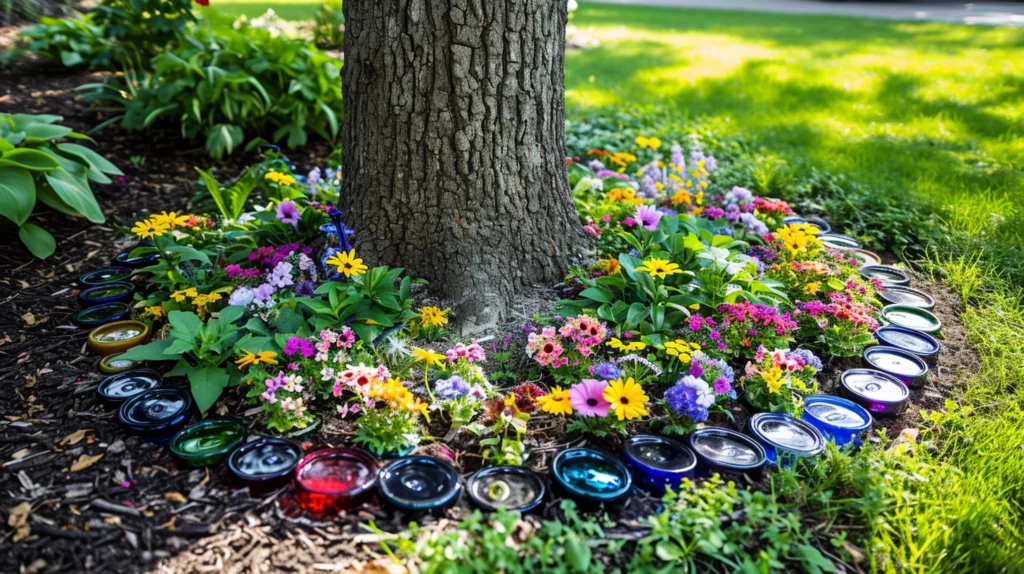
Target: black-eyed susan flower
347,263
627,398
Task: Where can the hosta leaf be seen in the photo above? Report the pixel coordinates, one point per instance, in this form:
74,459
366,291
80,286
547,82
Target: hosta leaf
17,194
37,240
30,159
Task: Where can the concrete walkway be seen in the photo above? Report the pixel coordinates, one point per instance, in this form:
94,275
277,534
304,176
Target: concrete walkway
990,14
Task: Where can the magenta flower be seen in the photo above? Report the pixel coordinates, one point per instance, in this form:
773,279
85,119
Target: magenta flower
648,217
288,212
587,398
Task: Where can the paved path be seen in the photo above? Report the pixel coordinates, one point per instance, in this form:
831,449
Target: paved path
992,14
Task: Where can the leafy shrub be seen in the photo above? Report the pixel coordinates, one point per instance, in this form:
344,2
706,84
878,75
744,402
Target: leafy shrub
147,26
329,25
34,165
223,87
73,42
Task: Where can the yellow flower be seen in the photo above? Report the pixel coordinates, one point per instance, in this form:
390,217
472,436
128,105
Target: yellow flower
681,349
627,398
659,268
155,311
624,195
645,142
618,345
773,379
428,357
347,263
181,294
621,158
149,228
556,402
682,197
201,301
609,266
172,220
812,288
279,178
264,357
434,316
799,238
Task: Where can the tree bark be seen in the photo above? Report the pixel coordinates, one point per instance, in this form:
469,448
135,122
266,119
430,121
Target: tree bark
454,146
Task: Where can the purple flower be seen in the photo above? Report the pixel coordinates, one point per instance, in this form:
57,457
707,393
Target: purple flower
453,388
288,212
606,371
696,370
684,399
722,386
648,217
678,159
261,295
305,289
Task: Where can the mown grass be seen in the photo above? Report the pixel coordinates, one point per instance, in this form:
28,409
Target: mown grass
929,114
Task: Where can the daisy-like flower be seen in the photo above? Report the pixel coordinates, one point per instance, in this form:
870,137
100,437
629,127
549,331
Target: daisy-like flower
659,268
263,357
288,212
556,402
172,220
347,263
627,399
428,357
647,217
433,316
155,311
279,178
587,398
632,347
149,228
181,294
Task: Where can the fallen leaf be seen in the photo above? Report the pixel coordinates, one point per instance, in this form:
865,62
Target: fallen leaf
170,525
21,454
85,461
112,520
206,479
29,319
18,520
75,437
176,497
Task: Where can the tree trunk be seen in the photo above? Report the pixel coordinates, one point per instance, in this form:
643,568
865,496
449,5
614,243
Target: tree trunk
454,146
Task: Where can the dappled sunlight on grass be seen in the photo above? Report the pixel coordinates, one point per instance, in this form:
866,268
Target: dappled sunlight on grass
931,110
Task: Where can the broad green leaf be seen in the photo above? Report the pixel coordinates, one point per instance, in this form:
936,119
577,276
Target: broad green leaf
596,294
189,253
231,314
71,59
73,188
222,139
30,159
184,325
37,240
90,157
213,188
45,132
17,194
46,195
207,384
152,351
637,311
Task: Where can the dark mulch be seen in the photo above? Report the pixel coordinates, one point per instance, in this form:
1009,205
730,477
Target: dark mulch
135,508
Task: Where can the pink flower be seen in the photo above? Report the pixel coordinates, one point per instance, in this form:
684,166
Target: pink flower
648,217
587,398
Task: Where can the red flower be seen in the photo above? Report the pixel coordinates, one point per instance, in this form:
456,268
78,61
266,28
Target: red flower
203,2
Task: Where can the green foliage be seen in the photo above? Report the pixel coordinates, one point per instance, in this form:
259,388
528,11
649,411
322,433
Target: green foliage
201,351
74,42
229,86
35,165
230,200
371,296
504,542
145,26
714,525
329,25
387,431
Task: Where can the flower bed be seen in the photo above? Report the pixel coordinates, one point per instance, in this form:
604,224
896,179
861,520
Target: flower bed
700,308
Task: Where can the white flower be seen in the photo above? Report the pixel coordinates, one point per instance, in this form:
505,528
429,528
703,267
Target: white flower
326,373
705,394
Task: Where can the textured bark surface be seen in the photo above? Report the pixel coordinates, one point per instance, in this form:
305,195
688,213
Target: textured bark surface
454,145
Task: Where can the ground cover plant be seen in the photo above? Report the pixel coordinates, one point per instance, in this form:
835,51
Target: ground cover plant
945,497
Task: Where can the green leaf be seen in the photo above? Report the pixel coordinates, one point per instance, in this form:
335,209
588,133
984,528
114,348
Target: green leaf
213,188
222,139
37,240
45,132
30,159
596,294
185,325
207,384
71,59
70,183
152,351
189,253
230,314
17,194
95,160
637,311
578,554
